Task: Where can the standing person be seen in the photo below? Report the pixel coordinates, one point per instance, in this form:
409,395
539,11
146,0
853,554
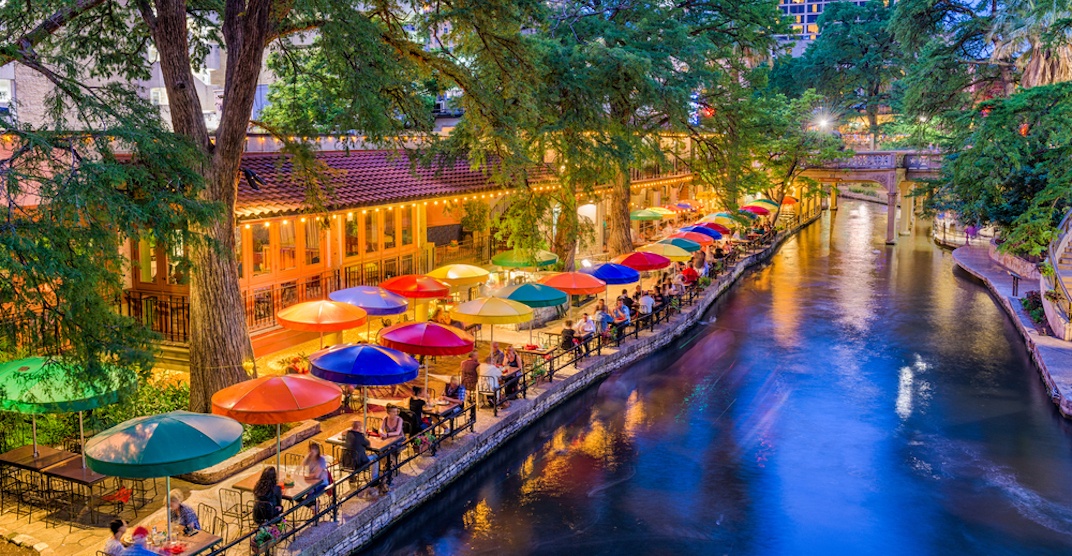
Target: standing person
181,514
470,372
496,356
268,496
357,446
114,546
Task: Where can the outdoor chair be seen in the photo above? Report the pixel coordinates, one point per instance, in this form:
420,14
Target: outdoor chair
220,528
207,515
120,498
486,391
231,505
292,460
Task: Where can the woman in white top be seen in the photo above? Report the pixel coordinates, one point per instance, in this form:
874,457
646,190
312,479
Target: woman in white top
114,545
316,474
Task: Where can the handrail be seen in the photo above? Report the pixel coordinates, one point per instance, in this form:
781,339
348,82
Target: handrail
1056,279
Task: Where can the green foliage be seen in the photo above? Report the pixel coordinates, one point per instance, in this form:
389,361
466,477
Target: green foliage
1032,303
474,215
1008,167
253,435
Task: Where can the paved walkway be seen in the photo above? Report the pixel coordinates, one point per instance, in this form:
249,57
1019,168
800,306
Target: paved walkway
1052,356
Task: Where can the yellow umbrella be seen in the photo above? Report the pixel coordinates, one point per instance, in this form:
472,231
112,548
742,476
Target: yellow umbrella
492,310
720,219
458,275
661,211
670,251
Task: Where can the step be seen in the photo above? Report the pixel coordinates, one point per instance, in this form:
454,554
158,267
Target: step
173,357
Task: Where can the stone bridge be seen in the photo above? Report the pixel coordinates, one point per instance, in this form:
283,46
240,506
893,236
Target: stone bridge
895,171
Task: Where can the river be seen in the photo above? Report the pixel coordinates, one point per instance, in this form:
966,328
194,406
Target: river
847,398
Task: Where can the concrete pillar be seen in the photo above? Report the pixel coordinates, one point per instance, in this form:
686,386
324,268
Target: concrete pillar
833,196
891,217
906,209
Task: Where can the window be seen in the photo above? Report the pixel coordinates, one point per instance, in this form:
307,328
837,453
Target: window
158,96
262,256
312,241
238,250
147,260
389,228
353,243
5,90
177,266
813,28
288,247
372,236
407,226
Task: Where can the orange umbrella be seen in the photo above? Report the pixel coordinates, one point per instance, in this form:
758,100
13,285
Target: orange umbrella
321,316
574,283
702,239
274,400
789,200
416,286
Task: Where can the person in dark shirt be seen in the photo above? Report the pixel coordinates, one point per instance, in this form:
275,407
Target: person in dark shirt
567,336
416,406
268,495
357,445
470,372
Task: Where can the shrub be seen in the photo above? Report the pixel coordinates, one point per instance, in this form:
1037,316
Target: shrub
1032,304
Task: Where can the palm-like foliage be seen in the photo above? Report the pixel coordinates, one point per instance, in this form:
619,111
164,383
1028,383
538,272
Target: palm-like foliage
1032,34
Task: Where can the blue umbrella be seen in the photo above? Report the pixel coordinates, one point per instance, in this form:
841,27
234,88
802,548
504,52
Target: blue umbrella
613,273
364,365
713,234
375,301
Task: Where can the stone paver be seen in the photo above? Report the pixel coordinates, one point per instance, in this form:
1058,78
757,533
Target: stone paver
1052,356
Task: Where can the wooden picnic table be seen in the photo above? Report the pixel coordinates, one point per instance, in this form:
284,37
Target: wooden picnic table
23,457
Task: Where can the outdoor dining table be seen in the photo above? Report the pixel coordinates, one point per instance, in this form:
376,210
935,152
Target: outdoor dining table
300,488
72,471
193,544
23,457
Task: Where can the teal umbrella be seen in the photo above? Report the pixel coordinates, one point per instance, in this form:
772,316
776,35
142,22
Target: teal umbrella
516,258
645,214
38,385
164,445
533,295
688,245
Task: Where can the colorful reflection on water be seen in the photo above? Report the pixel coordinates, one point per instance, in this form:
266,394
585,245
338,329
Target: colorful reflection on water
849,398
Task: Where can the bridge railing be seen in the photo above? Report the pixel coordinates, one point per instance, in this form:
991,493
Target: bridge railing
1053,281
886,160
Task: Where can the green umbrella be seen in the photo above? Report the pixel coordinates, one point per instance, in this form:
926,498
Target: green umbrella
644,214
38,385
688,245
516,258
773,205
164,445
533,295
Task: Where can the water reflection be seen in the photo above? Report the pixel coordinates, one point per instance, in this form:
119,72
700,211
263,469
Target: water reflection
848,398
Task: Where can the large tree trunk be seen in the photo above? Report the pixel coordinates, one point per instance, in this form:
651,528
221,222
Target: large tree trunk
219,340
619,242
567,229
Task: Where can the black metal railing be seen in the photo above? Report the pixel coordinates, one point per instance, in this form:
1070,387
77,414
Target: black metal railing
165,314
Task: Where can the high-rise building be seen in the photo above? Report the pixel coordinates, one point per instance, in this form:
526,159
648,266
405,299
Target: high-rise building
805,20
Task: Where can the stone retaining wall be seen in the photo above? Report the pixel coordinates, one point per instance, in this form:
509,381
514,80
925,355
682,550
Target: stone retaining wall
1027,270
409,495
248,458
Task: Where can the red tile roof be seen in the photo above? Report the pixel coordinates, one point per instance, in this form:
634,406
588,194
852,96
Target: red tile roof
359,178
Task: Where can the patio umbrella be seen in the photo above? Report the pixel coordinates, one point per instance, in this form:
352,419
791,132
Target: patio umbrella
722,229
533,295
709,232
516,258
321,316
768,203
574,283
427,338
416,286
702,239
458,275
492,311
644,214
274,400
789,200
164,445
613,273
364,365
755,209
686,206
671,252
747,215
38,385
374,300
661,211
688,245
722,218
642,261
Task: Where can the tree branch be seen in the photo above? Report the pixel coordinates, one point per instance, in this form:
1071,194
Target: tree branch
45,29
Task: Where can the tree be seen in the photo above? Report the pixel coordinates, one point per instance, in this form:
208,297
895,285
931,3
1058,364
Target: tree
371,56
855,60
1036,37
1007,167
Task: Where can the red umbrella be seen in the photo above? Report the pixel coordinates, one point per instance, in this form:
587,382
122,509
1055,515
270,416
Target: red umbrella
273,400
641,261
416,286
716,227
756,210
321,316
574,283
694,236
427,338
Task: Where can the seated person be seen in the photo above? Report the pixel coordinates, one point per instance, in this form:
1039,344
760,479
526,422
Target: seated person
646,303
496,357
114,546
625,299
138,540
181,514
621,314
513,369
453,392
586,327
469,372
392,424
689,276
567,336
268,497
417,402
357,445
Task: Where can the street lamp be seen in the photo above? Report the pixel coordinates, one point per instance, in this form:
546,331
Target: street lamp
824,124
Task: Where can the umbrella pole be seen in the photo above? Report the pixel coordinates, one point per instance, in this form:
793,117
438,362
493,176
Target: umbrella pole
33,429
278,448
321,340
167,504
364,405
82,434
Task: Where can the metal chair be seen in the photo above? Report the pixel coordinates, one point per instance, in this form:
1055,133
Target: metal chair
292,460
231,505
207,515
220,528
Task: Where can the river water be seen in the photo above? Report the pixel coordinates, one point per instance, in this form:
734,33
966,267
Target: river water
847,398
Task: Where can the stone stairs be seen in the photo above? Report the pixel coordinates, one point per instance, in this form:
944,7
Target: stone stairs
1064,265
